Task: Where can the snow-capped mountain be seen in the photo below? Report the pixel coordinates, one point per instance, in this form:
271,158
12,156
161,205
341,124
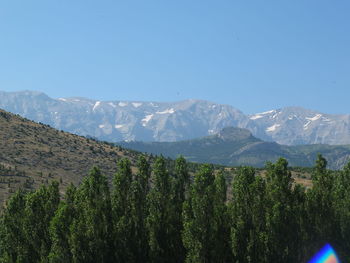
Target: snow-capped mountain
295,125
124,120
159,121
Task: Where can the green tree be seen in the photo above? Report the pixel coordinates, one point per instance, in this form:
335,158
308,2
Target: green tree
90,239
122,212
281,222
139,211
302,224
320,206
13,241
60,228
198,216
41,206
159,220
247,210
341,205
221,228
182,180
181,186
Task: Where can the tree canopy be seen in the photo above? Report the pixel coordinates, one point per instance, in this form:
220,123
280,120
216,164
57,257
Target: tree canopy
162,213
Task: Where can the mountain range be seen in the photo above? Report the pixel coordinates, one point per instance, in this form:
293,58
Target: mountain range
237,146
117,120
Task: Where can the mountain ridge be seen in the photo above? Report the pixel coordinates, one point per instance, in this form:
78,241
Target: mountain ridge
117,120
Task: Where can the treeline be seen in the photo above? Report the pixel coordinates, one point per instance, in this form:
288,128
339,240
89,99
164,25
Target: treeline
157,215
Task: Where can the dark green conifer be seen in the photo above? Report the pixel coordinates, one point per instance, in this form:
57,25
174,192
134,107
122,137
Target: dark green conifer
121,205
280,220
248,217
159,220
139,211
320,208
198,217
13,240
60,228
91,229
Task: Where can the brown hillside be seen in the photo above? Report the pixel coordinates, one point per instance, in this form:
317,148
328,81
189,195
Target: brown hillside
32,154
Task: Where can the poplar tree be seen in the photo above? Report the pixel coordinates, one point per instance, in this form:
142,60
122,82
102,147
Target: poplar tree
60,228
221,228
40,208
198,215
341,205
181,187
13,241
281,224
248,217
159,220
320,205
121,205
139,211
91,229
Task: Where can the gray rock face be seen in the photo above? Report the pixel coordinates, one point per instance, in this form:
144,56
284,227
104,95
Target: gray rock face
154,121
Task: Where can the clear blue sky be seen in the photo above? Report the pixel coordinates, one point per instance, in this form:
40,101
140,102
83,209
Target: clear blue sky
254,55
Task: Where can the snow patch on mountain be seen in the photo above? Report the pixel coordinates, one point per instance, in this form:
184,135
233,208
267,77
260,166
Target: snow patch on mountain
146,119
262,115
112,104
310,120
167,111
255,117
98,103
153,105
315,118
273,128
136,104
275,115
122,104
306,125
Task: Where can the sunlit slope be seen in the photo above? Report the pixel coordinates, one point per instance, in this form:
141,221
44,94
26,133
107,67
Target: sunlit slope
32,154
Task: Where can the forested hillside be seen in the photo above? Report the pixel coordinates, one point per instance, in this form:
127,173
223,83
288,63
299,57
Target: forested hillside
161,214
235,146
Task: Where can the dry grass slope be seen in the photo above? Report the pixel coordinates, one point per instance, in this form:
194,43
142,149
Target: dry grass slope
32,154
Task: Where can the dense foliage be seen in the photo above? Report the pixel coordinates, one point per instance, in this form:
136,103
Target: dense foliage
161,214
